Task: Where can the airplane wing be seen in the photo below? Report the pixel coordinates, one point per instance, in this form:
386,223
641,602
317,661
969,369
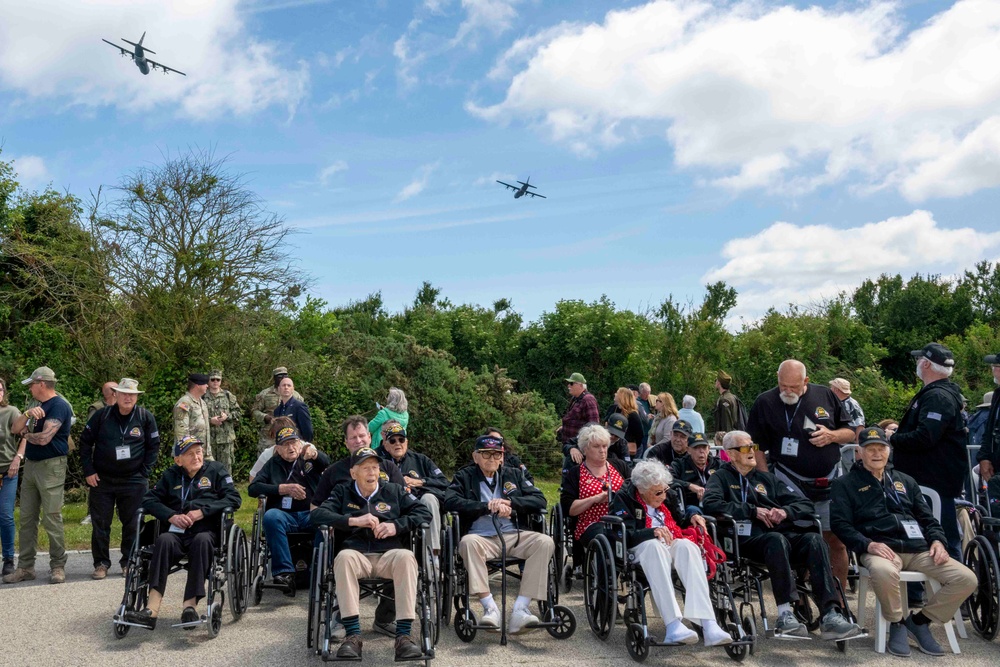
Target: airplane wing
534,194
125,52
166,70
515,189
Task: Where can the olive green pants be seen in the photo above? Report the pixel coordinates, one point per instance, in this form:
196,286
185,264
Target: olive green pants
42,484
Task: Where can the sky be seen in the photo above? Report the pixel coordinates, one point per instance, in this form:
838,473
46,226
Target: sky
791,149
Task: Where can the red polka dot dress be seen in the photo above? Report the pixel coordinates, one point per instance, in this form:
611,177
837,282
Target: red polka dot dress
591,486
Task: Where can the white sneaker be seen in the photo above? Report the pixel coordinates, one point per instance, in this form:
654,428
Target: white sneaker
714,634
491,618
85,521
678,633
339,632
522,620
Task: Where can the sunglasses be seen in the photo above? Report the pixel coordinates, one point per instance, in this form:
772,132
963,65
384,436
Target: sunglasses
745,449
396,440
487,454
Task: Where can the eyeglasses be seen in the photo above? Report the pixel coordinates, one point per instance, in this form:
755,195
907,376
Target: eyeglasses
661,492
745,449
395,441
486,454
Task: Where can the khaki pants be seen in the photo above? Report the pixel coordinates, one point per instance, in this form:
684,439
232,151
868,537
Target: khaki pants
434,505
957,582
534,547
42,493
397,564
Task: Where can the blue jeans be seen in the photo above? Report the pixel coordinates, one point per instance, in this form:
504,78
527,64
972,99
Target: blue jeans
277,524
8,494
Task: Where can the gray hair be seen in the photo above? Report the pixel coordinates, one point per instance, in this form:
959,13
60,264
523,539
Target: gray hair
688,401
592,434
939,369
396,400
791,363
730,438
644,386
649,473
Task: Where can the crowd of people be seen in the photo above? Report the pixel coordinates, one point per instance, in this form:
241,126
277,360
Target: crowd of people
777,467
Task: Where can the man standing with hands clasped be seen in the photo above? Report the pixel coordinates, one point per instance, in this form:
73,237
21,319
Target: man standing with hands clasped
118,450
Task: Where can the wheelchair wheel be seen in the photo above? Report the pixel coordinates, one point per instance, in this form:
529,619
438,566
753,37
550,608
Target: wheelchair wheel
447,559
740,651
558,535
315,595
431,592
984,610
238,574
214,624
600,587
464,622
637,642
566,620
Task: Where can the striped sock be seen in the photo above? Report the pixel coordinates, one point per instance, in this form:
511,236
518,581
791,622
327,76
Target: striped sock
403,627
352,624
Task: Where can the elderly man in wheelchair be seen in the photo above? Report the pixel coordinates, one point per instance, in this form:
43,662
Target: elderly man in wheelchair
190,498
772,527
370,517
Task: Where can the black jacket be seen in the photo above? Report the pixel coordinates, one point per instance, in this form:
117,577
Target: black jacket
930,443
419,466
340,473
299,413
278,471
685,474
106,430
626,505
990,448
211,490
724,495
664,453
390,502
865,510
463,495
570,490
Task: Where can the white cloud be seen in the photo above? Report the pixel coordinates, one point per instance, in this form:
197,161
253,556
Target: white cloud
493,16
229,70
788,263
419,182
326,173
31,170
775,97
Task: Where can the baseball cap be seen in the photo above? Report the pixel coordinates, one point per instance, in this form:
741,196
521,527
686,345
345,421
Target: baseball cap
873,435
937,353
616,424
992,359
395,429
215,375
842,385
280,370
489,442
286,435
363,454
577,377
682,426
699,441
198,378
41,374
128,386
186,443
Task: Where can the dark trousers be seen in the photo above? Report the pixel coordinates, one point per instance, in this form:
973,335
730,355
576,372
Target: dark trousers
104,498
780,552
168,550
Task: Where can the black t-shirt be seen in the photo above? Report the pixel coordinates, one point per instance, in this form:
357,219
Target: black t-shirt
56,408
771,421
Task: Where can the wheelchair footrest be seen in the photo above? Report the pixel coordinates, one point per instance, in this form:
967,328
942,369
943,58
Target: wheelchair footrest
122,621
332,657
193,624
792,638
861,635
421,658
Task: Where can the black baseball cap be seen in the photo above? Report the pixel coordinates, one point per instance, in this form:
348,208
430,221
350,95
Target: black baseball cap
873,435
683,427
363,454
992,359
937,353
489,442
617,424
699,441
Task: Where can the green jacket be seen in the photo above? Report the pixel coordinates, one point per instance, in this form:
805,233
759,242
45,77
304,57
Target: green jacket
8,441
226,402
384,415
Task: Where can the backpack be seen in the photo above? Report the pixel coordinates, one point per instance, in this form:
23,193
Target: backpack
742,416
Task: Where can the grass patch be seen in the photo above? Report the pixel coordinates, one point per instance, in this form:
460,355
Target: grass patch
78,535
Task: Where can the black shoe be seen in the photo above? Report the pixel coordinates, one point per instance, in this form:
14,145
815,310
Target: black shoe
8,566
287,582
406,649
189,615
142,618
388,628
350,649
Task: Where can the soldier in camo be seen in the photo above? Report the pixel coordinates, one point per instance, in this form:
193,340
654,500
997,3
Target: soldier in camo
224,413
191,413
265,403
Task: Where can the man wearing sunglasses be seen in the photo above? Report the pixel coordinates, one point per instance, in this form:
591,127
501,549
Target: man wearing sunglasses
423,477
765,511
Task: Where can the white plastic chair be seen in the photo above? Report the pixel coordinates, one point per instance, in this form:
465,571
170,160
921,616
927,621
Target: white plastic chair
905,576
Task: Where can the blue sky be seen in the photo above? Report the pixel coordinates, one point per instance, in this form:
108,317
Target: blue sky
791,149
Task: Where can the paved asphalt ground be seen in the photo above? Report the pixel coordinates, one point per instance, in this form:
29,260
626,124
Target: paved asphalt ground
70,624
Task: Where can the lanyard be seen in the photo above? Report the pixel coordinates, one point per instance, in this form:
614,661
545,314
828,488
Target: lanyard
607,475
789,420
701,477
744,487
892,488
127,424
186,491
291,471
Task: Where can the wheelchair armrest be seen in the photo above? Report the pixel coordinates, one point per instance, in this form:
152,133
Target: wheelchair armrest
721,518
617,520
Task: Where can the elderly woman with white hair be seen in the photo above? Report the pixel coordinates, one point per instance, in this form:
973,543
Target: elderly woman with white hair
657,543
395,408
690,415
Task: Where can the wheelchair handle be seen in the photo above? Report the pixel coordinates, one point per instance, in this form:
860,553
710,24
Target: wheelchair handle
612,519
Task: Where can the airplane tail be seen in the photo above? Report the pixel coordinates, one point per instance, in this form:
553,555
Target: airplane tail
144,48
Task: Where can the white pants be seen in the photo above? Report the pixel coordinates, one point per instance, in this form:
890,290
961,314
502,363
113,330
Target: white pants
656,558
434,505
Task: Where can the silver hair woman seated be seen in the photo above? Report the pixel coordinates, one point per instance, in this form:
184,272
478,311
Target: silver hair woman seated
655,539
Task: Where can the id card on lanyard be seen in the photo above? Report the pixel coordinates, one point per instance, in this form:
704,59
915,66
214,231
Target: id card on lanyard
286,501
123,452
744,527
185,492
790,445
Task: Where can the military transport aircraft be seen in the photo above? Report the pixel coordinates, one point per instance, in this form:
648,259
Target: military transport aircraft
139,57
523,190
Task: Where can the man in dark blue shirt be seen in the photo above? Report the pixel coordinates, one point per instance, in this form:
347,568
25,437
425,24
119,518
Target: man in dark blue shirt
289,406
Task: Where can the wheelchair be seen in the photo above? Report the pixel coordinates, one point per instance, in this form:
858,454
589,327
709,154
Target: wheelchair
748,579
567,556
229,575
981,557
558,620
324,609
299,543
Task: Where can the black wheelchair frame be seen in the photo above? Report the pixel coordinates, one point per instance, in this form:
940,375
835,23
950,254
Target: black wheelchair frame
229,573
324,608
260,555
558,620
981,557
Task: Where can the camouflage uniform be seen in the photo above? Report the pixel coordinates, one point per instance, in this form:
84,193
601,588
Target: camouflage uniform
264,404
191,418
99,404
223,435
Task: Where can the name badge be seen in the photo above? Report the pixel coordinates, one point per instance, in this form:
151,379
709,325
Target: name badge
912,529
176,529
286,502
789,447
123,453
743,528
